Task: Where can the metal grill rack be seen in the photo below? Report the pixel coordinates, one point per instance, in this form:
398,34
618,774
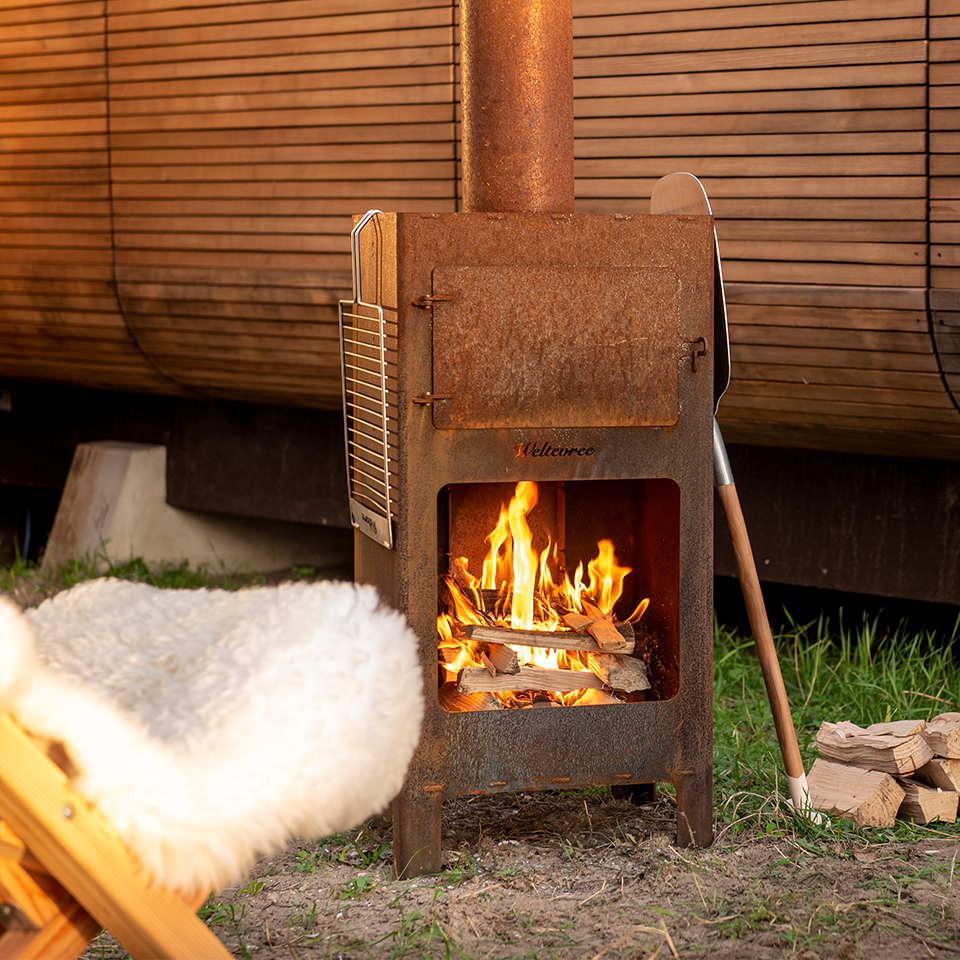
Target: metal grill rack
368,348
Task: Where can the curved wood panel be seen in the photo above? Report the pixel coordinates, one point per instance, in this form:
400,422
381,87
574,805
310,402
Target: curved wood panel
177,179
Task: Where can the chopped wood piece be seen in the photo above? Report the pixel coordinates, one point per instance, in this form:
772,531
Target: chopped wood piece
454,701
592,697
897,728
867,797
477,680
923,804
501,657
619,673
607,635
577,621
603,629
558,640
941,772
848,743
943,735
485,660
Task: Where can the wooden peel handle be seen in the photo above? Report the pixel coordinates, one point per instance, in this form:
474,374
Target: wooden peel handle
769,664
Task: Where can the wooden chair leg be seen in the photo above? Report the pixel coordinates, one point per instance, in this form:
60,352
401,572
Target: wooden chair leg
78,847
42,920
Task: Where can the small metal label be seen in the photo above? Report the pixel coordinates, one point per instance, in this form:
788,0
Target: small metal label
373,525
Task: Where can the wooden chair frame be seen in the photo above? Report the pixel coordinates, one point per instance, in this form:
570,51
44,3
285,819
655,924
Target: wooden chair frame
65,873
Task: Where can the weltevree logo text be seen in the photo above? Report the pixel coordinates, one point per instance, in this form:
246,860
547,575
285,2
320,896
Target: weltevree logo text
531,449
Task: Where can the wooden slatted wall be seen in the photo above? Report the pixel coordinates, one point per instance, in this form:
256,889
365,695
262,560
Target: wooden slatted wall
945,187
58,311
806,122
207,156
244,136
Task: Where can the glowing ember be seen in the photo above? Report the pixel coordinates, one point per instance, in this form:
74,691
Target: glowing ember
517,588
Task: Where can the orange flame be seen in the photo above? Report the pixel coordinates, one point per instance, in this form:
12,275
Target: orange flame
524,581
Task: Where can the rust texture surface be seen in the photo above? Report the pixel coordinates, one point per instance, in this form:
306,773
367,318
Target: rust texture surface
517,71
556,346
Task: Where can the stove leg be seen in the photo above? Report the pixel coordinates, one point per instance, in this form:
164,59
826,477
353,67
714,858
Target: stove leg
695,809
416,832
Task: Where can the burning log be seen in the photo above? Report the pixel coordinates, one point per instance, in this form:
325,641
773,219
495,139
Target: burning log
472,680
500,657
603,629
455,702
878,747
619,673
558,640
591,697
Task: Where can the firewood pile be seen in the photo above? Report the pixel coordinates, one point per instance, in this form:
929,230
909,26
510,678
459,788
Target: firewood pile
600,651
908,769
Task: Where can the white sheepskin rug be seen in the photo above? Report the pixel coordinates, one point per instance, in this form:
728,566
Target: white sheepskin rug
211,726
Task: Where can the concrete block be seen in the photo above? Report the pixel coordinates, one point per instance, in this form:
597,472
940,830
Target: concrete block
114,506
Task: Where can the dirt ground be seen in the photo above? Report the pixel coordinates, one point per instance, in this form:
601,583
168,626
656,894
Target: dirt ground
551,875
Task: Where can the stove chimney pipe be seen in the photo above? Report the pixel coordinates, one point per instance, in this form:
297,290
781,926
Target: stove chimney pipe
517,104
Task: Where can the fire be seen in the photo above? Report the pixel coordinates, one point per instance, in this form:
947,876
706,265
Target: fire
518,588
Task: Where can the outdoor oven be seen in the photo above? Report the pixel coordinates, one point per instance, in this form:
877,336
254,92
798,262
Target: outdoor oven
496,359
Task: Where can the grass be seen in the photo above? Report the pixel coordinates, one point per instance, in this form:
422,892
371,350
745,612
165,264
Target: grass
846,668
865,674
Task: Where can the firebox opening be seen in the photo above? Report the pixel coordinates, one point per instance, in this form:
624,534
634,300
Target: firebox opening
583,534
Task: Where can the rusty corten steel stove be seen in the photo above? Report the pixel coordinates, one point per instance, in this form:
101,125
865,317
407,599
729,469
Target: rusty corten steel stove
571,350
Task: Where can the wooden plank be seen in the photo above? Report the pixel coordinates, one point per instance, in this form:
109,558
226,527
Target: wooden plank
684,122
619,63
321,116
790,373
880,104
914,254
853,274
283,8
763,354
904,81
795,410
827,231
836,33
358,31
902,298
728,16
831,339
934,399
147,47
345,80
344,136
810,148
788,315
877,187
301,63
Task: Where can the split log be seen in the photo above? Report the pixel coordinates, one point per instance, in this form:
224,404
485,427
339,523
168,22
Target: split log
577,621
500,657
924,804
870,798
603,629
558,640
619,673
942,734
896,728
455,702
941,772
477,680
848,743
592,697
